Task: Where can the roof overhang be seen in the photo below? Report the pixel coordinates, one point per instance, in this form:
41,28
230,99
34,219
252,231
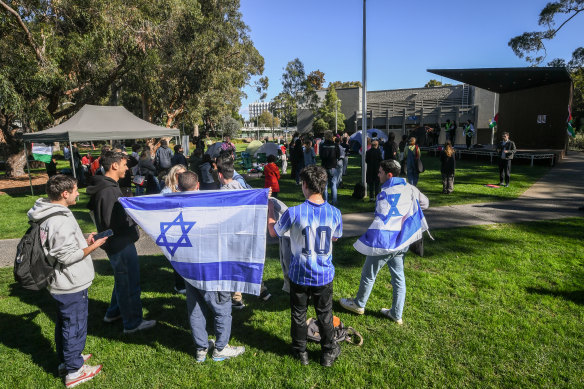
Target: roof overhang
503,80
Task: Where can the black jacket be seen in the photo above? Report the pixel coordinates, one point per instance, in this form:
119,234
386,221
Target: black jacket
510,145
373,158
179,159
329,154
391,150
109,213
447,164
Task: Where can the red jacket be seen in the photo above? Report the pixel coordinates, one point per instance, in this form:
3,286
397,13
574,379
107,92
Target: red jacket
272,173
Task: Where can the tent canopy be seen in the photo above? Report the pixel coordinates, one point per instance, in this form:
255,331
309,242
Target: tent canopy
269,148
94,122
253,146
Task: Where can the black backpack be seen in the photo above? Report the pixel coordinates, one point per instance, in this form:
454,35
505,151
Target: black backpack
31,266
342,333
359,191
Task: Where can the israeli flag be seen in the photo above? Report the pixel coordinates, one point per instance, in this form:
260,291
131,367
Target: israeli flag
399,220
216,240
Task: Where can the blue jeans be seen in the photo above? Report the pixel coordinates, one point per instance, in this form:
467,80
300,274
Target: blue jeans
413,175
339,172
126,294
215,306
372,266
71,328
332,182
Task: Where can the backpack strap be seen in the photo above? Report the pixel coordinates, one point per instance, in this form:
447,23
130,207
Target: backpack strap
352,334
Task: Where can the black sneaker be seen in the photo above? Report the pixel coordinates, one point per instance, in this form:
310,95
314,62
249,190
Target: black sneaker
330,357
265,295
237,304
302,357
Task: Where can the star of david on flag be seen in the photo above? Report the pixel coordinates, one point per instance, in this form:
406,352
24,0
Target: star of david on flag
216,240
183,240
398,220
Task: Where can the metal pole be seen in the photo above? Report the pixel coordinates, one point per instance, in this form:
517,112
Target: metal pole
364,101
28,169
72,160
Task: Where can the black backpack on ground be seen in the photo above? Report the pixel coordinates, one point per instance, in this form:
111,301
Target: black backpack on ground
342,333
31,266
358,191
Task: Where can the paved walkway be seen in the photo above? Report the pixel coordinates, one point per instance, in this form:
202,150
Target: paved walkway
556,195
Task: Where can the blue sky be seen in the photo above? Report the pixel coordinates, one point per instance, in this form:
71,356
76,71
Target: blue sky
404,38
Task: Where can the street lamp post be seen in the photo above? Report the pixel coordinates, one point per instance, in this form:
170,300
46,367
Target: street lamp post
364,101
336,110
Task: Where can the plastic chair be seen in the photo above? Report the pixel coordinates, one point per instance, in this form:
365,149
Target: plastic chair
245,160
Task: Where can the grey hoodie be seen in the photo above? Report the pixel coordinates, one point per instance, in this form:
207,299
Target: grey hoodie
63,242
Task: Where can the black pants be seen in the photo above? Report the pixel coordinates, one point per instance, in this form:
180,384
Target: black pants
322,296
504,170
468,141
373,187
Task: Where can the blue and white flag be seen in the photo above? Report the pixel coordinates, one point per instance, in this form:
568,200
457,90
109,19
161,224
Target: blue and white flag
216,240
398,221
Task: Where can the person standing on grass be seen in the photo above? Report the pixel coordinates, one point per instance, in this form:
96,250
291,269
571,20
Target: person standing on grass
447,166
469,132
309,153
313,226
297,159
329,156
208,305
373,158
412,156
163,158
66,247
108,213
272,175
506,150
178,158
398,222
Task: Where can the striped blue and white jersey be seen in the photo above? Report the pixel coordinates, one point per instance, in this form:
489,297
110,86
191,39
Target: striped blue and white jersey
312,228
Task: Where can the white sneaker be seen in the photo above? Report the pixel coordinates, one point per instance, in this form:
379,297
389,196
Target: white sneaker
202,354
227,352
349,304
387,313
63,370
144,325
84,374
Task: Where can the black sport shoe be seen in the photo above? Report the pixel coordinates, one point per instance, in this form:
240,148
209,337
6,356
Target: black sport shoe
329,358
302,357
265,295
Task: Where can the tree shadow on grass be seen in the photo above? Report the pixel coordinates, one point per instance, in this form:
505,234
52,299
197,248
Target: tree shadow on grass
576,296
21,333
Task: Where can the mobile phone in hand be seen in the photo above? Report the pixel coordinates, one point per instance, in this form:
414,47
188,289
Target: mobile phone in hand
103,234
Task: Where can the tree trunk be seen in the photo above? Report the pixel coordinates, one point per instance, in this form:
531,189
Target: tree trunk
195,131
15,165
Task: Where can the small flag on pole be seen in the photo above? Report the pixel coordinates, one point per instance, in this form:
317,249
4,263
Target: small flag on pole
216,240
42,152
570,129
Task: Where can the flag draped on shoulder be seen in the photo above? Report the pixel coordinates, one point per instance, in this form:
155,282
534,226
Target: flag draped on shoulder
398,222
216,240
42,152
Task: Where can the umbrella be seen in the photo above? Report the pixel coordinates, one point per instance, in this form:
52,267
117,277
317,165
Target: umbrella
269,148
214,150
253,146
380,135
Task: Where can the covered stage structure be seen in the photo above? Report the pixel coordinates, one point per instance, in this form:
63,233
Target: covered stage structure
533,104
96,122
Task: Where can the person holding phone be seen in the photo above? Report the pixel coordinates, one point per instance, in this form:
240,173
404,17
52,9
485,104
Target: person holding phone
66,247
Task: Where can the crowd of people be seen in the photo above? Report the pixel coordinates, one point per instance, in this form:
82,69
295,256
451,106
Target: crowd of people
305,233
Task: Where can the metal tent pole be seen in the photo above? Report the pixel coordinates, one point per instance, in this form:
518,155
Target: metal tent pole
28,169
72,160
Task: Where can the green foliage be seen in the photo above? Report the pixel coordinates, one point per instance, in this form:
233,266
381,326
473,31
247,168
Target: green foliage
266,119
315,79
531,45
346,84
229,126
325,115
434,83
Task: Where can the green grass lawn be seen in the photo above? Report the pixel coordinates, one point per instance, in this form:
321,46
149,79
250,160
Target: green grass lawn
469,187
487,307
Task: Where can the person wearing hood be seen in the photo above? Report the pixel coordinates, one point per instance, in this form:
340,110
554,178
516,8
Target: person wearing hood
65,247
108,213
